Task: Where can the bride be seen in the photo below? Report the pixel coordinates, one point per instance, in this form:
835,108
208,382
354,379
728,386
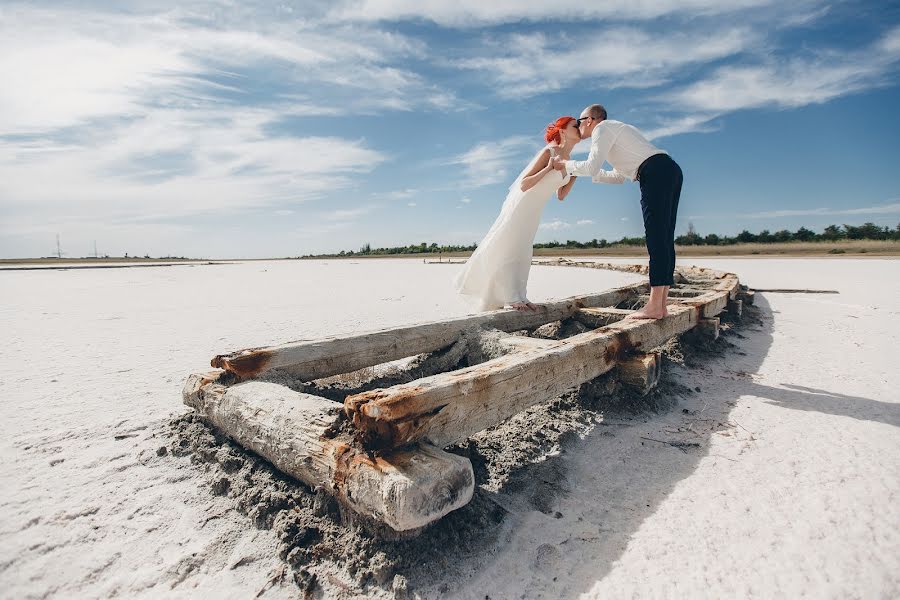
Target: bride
496,274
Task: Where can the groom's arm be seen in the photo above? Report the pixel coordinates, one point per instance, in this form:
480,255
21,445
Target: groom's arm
609,177
601,142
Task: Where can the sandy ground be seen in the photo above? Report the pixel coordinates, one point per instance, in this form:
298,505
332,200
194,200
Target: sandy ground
792,491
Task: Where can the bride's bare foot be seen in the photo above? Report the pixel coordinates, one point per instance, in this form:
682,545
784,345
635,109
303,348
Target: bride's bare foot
523,306
647,313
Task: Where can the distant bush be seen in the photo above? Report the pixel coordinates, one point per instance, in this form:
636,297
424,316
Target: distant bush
832,233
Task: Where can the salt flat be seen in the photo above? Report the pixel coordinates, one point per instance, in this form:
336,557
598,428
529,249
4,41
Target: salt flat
798,500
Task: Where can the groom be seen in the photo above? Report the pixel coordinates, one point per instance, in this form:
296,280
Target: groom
634,158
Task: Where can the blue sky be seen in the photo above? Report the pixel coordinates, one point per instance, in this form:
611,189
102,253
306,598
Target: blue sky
258,129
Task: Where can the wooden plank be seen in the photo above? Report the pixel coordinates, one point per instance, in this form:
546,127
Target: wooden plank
711,303
601,316
405,489
707,328
449,407
686,292
521,343
315,359
640,372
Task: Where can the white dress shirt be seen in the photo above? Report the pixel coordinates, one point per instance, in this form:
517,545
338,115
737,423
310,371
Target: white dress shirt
619,144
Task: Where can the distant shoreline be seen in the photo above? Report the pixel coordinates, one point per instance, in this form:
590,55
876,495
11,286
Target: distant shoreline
840,249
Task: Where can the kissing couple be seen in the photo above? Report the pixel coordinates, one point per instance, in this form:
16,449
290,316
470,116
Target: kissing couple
496,275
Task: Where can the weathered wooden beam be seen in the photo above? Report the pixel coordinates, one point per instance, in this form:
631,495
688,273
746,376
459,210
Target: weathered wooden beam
449,407
405,489
746,296
315,359
686,292
707,328
710,303
640,372
600,316
521,343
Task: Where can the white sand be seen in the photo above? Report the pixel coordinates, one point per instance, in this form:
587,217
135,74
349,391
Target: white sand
794,495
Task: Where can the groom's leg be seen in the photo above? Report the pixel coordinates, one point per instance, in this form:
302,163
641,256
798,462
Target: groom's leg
656,224
677,181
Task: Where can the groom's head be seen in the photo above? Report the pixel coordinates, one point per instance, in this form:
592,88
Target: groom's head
590,117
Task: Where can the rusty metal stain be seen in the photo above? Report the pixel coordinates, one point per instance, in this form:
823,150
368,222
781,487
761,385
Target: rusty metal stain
246,365
375,433
619,348
343,454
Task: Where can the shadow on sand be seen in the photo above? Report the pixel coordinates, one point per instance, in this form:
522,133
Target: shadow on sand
569,518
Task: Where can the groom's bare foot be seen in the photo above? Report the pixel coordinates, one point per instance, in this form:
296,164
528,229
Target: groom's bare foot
648,313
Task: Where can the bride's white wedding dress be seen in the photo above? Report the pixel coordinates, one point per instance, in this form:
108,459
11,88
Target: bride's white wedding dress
497,272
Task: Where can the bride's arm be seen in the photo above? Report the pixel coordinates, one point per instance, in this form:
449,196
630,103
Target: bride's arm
540,168
563,190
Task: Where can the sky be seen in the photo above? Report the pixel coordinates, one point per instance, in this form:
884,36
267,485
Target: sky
261,129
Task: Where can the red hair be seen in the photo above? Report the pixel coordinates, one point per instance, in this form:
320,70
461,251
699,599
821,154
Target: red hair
553,129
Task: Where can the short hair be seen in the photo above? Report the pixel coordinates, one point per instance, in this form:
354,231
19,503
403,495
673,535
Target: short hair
597,111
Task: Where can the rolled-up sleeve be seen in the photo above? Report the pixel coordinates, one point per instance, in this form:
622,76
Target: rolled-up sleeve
601,142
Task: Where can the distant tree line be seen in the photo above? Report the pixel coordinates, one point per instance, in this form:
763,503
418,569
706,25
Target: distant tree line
422,248
832,233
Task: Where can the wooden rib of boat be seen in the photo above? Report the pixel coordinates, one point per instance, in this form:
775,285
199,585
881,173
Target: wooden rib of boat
381,451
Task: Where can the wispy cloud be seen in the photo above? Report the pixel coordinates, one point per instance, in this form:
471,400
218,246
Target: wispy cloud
883,209
468,13
793,82
523,65
555,225
584,222
348,214
397,194
487,163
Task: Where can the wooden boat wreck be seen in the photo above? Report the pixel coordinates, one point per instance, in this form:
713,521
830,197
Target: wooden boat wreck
380,452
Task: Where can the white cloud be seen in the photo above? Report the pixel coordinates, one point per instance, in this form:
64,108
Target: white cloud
487,163
696,123
466,200
883,209
794,82
110,119
555,225
397,194
347,214
99,64
411,204
584,222
466,13
523,65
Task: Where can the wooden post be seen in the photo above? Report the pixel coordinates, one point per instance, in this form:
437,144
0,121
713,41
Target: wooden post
315,359
746,296
640,372
450,407
708,329
600,317
405,489
735,307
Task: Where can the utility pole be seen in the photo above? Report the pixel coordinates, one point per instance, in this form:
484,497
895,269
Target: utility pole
58,249
95,250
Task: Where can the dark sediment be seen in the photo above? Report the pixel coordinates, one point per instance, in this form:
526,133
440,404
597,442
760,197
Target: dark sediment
512,471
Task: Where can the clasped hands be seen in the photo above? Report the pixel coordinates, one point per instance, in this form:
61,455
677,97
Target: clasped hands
558,164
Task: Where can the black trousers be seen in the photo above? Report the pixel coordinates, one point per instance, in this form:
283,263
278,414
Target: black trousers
660,178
